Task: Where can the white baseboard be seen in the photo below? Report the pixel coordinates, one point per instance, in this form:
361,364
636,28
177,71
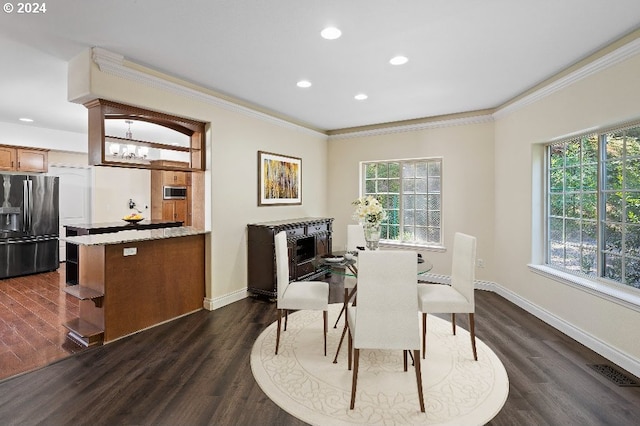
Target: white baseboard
619,358
227,299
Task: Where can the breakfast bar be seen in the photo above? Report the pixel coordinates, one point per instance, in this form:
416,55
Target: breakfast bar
134,279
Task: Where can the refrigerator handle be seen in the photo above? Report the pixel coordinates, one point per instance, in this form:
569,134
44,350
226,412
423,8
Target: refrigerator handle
27,189
30,184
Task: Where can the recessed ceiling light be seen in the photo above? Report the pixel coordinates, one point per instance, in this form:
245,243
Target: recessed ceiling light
26,120
331,33
398,60
304,84
361,96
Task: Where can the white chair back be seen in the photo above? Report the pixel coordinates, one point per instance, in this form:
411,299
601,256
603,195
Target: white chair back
464,266
282,264
355,237
387,312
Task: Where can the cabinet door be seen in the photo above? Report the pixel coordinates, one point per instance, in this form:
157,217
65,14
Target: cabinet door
175,210
323,245
181,211
32,160
174,178
7,158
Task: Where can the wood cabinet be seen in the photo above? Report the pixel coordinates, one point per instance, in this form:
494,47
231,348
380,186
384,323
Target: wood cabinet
175,210
23,159
112,143
130,286
306,239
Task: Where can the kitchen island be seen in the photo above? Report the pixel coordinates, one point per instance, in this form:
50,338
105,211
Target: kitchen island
135,279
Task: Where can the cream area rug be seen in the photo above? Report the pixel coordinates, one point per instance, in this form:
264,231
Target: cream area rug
306,384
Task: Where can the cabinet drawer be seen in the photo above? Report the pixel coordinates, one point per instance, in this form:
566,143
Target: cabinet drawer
314,229
295,232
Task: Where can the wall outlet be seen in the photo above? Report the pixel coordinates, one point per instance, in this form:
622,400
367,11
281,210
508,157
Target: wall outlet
480,263
130,251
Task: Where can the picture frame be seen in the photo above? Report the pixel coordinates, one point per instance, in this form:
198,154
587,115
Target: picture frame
279,179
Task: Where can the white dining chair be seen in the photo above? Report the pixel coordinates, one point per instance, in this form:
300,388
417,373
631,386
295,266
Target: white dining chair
297,295
386,316
457,297
355,239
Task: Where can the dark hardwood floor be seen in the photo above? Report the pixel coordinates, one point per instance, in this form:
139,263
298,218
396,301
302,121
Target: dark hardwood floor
195,371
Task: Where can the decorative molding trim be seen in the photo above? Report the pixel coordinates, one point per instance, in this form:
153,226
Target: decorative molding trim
114,64
222,301
477,119
625,52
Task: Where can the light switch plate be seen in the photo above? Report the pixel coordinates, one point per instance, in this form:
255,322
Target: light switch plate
130,251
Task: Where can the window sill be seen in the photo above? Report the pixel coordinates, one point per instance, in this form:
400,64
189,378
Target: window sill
620,296
394,245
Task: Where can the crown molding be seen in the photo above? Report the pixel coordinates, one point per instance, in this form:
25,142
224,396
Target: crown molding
115,64
621,54
446,122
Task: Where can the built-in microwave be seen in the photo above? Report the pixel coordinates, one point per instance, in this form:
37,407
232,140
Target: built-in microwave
174,192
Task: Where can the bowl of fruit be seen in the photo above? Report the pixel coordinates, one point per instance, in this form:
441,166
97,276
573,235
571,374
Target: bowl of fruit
133,218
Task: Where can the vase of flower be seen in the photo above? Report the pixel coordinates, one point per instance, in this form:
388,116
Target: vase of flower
370,213
372,236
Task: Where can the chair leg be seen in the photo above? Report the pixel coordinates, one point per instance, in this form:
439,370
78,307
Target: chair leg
416,355
278,334
472,332
325,317
424,334
453,323
349,350
404,356
286,318
354,382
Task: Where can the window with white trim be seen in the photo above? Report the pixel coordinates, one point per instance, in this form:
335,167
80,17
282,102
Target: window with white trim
593,205
410,192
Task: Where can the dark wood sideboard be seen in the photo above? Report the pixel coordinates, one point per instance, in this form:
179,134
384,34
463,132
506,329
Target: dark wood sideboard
307,238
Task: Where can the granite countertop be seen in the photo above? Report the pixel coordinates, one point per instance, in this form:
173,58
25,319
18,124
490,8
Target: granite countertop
133,236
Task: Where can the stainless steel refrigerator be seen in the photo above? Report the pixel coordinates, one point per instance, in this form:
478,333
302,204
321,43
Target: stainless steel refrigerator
28,224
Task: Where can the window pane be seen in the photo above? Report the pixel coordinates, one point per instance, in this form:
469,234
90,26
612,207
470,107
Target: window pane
613,207
573,154
394,170
589,262
632,176
633,207
556,204
590,150
590,206
383,170
421,170
408,170
613,175
614,145
632,240
590,177
613,238
414,218
613,267
370,171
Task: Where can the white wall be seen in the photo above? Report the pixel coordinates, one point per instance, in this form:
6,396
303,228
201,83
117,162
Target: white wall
602,99
467,181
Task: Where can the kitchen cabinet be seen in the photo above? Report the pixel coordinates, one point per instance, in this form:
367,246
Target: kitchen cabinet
72,268
175,210
306,239
171,209
23,159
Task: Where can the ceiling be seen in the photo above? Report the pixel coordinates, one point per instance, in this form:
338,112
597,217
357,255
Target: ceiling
464,55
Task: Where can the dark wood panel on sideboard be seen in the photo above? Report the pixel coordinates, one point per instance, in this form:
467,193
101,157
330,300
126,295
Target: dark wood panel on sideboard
307,238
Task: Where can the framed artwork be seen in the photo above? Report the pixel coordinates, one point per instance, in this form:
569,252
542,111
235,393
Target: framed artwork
279,179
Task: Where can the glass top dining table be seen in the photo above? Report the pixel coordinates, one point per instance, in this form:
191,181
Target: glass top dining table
344,263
